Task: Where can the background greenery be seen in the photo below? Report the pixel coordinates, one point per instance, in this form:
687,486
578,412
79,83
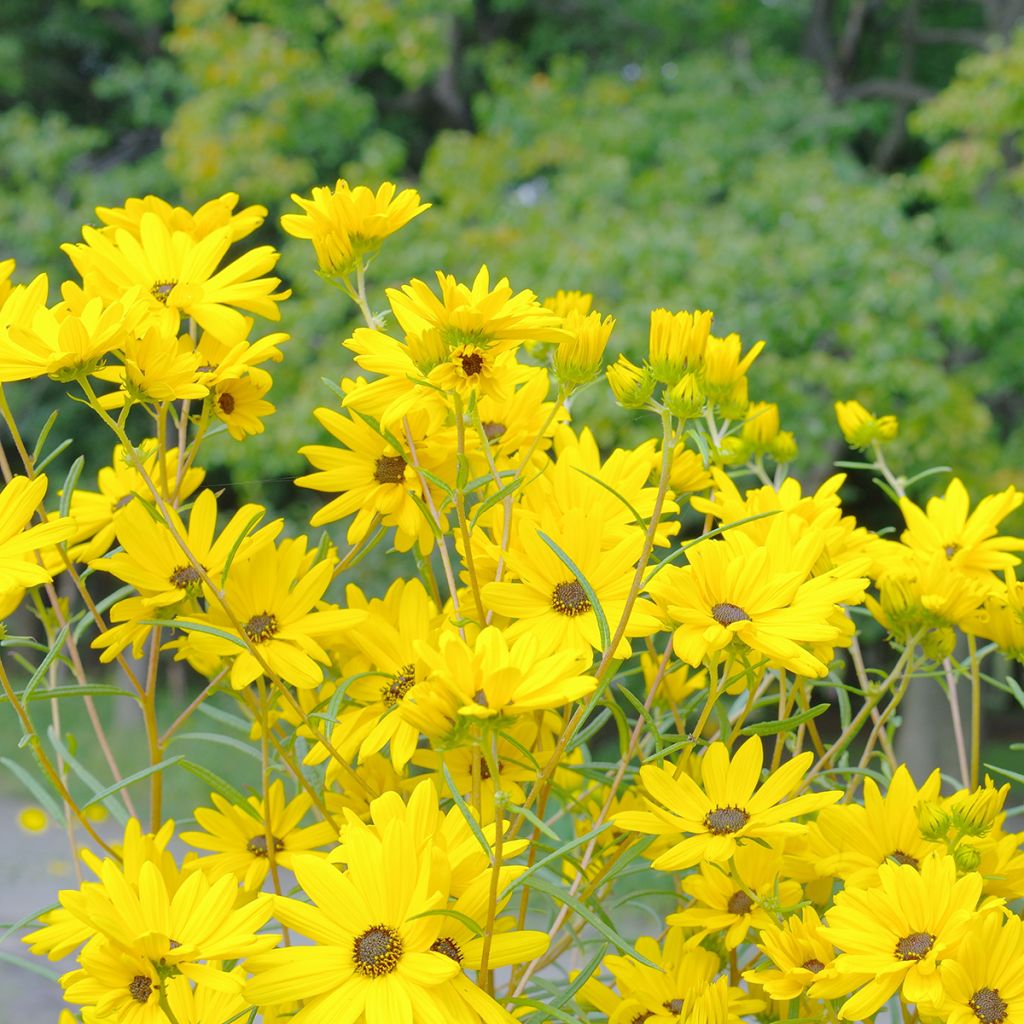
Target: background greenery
840,177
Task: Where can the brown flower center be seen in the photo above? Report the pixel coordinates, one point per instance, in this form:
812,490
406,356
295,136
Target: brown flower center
726,614
401,683
904,858
641,1017
673,1005
493,430
184,576
739,903
914,946
812,965
377,951
449,947
226,401
472,363
723,821
988,1007
161,289
261,628
390,470
257,846
140,988
569,598
951,550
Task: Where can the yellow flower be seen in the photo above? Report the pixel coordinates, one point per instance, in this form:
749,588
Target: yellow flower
176,272
6,269
578,358
239,403
861,429
746,599
984,981
564,302
347,225
116,985
749,895
550,603
371,476
677,342
272,596
730,811
374,934
1001,618
724,368
631,385
239,838
897,932
157,368
210,217
20,543
969,541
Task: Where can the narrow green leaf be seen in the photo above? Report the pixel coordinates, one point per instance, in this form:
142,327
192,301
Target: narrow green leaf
784,724
214,737
218,785
31,783
584,975
40,673
224,717
116,809
535,821
29,918
196,627
85,690
70,483
555,855
249,527
463,807
334,388
494,499
44,462
29,965
427,514
463,919
43,435
637,518
104,795
595,604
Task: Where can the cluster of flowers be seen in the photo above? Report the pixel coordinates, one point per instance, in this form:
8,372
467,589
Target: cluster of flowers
442,739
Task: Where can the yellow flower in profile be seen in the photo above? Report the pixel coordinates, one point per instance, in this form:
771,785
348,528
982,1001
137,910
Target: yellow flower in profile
631,385
347,225
6,270
564,302
1001,618
758,600
984,981
897,932
677,342
724,368
578,357
374,957
275,599
210,217
173,271
239,840
861,429
20,543
969,541
732,809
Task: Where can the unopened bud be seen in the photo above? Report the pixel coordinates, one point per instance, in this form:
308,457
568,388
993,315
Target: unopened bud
966,858
631,385
933,821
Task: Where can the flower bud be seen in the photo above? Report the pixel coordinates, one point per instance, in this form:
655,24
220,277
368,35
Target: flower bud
685,398
933,821
975,813
938,643
631,385
677,342
860,428
580,354
966,858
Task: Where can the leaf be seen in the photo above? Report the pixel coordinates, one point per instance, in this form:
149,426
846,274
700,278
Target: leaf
637,518
532,818
584,975
43,435
463,919
51,654
85,690
602,621
116,809
224,717
219,785
196,627
29,918
214,737
43,463
31,783
558,854
463,807
138,776
29,965
784,724
494,499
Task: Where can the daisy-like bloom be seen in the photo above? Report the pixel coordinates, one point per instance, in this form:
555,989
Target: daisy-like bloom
729,810
371,477
579,357
862,429
548,601
117,985
897,932
206,1003
239,838
491,677
20,543
1001,618
984,981
175,272
374,958
238,402
157,368
734,901
723,370
153,562
802,960
347,225
119,484
63,343
274,597
852,842
677,342
210,217
759,601
177,929
562,303
969,541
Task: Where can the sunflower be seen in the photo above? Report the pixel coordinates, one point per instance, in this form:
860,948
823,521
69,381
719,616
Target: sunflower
374,933
117,985
897,932
984,981
969,541
730,811
759,600
239,838
175,272
273,597
372,477
238,402
549,602
735,900
347,225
